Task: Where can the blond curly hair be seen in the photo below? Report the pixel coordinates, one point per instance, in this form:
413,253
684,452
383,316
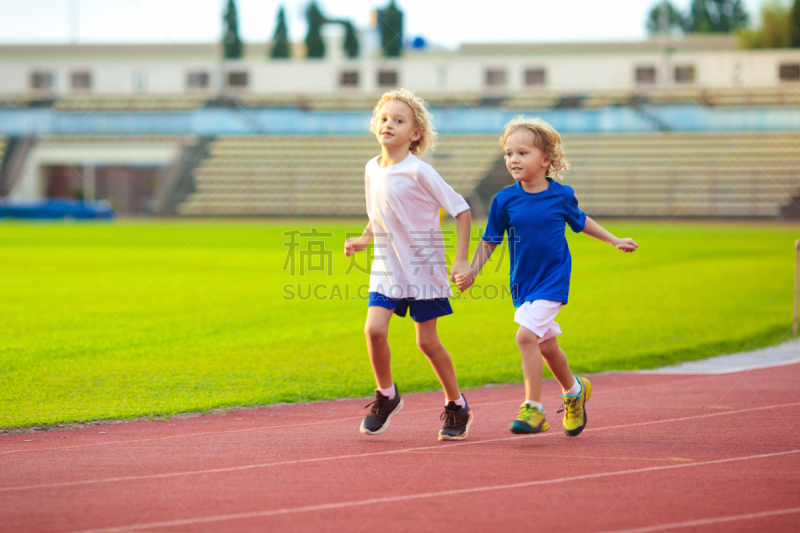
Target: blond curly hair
422,117
545,138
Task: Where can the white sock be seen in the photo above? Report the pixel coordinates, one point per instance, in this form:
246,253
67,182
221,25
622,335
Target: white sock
389,393
575,390
535,404
461,401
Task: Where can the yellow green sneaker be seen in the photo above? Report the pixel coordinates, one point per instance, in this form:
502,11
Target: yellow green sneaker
530,419
575,409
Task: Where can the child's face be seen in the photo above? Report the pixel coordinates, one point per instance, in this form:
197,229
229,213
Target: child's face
524,161
396,126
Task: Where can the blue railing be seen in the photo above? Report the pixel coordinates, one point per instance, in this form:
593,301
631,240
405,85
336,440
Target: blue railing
250,121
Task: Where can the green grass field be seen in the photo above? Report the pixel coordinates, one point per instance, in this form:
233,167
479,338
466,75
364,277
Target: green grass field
114,320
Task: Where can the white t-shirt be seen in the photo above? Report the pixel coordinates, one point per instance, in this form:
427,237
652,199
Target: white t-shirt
403,203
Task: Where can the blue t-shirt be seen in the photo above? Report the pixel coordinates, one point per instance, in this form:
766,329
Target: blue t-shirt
540,260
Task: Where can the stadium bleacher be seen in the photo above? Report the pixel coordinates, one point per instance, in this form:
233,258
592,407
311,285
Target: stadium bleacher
776,96
685,174
347,101
657,174
314,175
756,96
132,102
15,100
532,100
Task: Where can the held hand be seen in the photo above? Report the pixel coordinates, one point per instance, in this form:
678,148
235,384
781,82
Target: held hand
465,281
459,272
626,245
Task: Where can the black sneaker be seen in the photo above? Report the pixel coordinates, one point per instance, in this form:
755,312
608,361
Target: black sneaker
457,420
381,411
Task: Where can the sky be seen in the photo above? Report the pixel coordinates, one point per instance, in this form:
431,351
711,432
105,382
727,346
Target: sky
444,22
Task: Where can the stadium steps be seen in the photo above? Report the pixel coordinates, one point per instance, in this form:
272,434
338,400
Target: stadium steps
314,175
3,146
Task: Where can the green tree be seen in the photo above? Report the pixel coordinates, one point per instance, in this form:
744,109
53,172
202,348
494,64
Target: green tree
315,46
350,40
280,42
715,16
794,25
390,24
674,18
231,44
774,31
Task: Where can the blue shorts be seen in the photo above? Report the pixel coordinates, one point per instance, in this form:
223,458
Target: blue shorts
421,310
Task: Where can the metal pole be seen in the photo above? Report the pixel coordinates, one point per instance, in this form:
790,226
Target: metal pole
88,182
796,283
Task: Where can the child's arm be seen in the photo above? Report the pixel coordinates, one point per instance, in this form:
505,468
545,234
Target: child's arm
597,231
352,246
461,263
482,254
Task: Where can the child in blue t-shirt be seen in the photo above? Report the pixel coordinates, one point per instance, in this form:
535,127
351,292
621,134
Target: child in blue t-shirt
533,212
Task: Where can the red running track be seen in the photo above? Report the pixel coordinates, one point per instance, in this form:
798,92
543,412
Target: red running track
660,453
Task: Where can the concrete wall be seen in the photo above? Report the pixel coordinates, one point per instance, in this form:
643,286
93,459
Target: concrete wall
77,154
580,69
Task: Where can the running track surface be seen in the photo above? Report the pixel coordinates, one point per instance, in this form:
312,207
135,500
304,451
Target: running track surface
660,453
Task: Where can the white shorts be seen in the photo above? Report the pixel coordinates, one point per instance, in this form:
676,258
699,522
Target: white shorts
539,317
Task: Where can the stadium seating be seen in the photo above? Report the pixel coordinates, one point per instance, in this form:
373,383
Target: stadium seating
641,175
758,96
314,175
346,101
15,100
349,101
676,94
685,174
3,145
607,98
132,102
533,100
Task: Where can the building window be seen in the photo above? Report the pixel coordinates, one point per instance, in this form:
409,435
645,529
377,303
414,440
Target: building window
42,80
684,74
237,79
495,77
81,80
387,78
348,78
645,75
790,72
197,80
534,76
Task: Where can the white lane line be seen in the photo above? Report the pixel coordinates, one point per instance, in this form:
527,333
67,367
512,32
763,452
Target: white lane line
708,521
359,455
264,428
260,428
224,432
186,435
390,499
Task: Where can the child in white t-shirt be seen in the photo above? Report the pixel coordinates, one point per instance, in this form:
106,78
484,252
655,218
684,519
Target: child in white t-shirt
409,271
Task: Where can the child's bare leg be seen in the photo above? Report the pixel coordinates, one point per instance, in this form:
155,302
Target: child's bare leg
429,344
528,344
377,333
556,361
